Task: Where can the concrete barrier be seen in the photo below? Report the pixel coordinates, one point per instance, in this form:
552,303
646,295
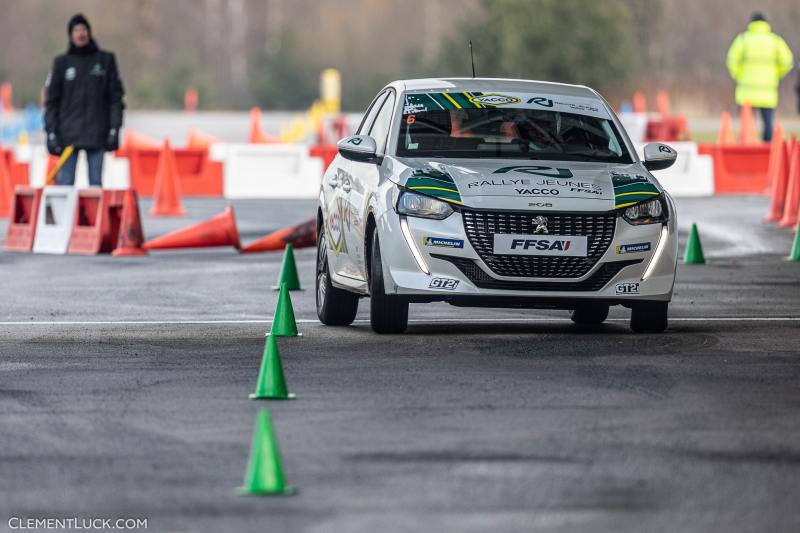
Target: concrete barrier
691,175
269,170
54,220
635,125
116,172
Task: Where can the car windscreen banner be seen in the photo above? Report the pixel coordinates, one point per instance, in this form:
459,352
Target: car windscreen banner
431,101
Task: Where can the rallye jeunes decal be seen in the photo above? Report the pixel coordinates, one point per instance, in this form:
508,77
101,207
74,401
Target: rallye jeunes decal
422,102
434,183
629,190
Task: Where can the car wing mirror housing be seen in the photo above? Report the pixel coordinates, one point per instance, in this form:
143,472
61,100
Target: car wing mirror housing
658,156
361,148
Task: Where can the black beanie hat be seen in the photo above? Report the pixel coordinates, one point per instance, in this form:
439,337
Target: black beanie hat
78,19
757,16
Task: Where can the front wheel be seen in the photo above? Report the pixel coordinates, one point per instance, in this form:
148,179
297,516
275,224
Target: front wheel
649,317
335,307
590,314
387,313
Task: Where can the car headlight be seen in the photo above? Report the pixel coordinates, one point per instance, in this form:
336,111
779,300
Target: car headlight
648,212
419,205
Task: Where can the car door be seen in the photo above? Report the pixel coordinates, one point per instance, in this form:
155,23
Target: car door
338,185
364,180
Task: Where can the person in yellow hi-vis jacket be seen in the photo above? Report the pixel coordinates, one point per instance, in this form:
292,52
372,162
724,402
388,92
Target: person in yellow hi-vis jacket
757,60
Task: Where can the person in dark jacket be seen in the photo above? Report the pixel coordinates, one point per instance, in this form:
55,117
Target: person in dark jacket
83,103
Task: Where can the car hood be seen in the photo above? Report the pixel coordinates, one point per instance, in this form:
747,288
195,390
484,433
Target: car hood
539,185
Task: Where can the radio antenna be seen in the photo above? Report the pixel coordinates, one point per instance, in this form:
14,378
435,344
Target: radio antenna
472,58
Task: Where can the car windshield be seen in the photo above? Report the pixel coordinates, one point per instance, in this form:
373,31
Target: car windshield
509,132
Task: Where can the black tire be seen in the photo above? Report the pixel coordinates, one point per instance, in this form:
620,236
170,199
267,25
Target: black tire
590,314
335,307
387,313
649,317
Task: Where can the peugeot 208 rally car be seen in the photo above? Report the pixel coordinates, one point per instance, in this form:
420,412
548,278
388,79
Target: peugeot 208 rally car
494,193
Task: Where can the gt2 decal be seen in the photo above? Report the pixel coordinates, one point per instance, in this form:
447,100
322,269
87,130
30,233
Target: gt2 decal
446,284
626,288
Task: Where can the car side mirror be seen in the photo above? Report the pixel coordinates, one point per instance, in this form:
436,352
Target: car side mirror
658,156
361,148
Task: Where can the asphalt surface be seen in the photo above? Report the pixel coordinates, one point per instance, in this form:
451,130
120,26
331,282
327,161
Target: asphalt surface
124,382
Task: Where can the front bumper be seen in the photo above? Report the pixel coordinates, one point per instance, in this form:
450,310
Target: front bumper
456,272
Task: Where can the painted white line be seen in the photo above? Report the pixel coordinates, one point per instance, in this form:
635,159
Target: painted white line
268,320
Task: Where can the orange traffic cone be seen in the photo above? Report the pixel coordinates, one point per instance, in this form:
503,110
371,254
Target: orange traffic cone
790,206
779,182
190,99
775,148
6,95
747,125
639,102
257,134
139,141
199,139
662,103
166,191
131,235
6,189
300,235
219,230
726,135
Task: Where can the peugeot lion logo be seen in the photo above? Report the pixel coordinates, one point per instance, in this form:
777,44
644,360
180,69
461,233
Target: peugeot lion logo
541,224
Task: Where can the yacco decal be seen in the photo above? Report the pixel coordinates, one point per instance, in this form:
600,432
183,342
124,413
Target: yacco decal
437,101
629,190
434,183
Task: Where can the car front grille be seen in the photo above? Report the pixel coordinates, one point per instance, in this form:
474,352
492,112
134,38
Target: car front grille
481,227
482,280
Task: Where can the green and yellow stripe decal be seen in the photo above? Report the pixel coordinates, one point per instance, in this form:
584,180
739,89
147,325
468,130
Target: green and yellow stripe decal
419,103
630,190
434,183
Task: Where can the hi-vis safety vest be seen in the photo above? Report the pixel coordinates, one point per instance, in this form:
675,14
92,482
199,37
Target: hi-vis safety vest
757,60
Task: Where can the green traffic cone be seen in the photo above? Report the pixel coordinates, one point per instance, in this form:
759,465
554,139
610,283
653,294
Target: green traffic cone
794,255
284,325
271,382
264,474
694,250
288,273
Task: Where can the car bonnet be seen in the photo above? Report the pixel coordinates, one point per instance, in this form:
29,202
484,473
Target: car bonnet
509,184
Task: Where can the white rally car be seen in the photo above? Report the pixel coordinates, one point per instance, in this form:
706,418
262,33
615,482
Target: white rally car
494,193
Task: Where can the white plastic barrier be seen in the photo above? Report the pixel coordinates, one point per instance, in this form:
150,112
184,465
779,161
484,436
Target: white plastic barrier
636,126
54,221
691,175
116,171
268,170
